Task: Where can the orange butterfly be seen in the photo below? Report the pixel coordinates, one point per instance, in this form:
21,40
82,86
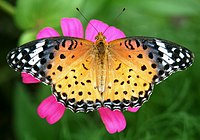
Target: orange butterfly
87,75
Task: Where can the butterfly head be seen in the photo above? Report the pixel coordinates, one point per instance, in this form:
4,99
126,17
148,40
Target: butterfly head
100,37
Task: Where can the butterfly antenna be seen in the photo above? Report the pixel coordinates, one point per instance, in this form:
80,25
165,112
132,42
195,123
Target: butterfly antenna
115,19
86,19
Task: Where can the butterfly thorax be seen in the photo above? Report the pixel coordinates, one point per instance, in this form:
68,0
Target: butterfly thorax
101,44
101,54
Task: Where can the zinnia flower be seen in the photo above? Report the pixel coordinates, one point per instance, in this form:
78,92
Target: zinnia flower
52,110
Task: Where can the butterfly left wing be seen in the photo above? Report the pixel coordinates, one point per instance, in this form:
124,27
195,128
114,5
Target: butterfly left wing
136,64
66,64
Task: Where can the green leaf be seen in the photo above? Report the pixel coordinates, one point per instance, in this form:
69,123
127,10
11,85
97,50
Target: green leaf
39,13
7,7
28,125
27,36
171,7
89,9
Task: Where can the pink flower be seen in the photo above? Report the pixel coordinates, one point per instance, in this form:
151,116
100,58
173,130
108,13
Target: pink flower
52,110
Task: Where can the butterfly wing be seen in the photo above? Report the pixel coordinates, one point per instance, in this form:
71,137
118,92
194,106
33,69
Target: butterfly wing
66,64
136,64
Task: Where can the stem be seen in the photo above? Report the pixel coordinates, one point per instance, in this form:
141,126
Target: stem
7,7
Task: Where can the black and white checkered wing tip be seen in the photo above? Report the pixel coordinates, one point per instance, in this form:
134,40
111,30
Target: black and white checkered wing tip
33,57
169,57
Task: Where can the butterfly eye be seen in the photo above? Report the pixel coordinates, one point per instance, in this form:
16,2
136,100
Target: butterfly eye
96,38
104,37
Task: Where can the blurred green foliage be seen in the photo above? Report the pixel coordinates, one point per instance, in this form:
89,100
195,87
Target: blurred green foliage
171,113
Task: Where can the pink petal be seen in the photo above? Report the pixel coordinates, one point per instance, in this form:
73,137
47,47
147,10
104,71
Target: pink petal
119,117
56,113
111,33
133,109
72,27
47,32
114,121
93,27
28,79
43,108
51,109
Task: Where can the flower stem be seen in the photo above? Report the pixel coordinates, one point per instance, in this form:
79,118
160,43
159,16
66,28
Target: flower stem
7,7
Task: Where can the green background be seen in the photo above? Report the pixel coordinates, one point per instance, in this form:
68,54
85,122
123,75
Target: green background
173,109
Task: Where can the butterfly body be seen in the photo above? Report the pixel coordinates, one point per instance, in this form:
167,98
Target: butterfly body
101,61
87,75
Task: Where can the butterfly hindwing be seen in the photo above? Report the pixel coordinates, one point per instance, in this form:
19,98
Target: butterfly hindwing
139,63
76,86
126,86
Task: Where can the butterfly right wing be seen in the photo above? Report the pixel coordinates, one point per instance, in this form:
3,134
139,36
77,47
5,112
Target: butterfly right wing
136,64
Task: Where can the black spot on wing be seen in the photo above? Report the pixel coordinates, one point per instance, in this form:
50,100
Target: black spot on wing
167,57
34,57
128,44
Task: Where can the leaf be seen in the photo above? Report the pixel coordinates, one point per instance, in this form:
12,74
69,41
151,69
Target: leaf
171,7
39,13
28,125
27,36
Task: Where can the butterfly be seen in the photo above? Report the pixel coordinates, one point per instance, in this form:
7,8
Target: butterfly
86,75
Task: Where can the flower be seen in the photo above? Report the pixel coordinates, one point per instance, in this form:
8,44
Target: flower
28,79
52,110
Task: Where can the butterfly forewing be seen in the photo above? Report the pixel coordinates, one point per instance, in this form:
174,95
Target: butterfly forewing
38,57
163,56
